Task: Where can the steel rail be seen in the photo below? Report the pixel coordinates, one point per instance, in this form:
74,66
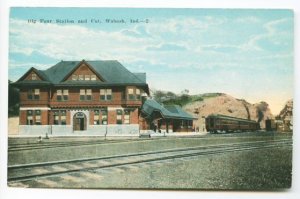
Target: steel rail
188,153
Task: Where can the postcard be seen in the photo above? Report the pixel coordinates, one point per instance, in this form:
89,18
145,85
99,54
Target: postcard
150,98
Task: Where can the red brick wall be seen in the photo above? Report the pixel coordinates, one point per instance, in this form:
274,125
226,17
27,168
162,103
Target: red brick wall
92,117
112,116
22,119
74,98
68,117
134,116
44,117
43,99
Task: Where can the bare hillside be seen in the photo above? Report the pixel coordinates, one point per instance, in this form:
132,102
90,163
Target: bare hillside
227,105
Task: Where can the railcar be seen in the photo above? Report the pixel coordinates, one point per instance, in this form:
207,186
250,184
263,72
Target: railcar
221,123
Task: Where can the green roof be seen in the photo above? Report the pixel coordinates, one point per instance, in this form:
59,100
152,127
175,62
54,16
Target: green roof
112,72
170,111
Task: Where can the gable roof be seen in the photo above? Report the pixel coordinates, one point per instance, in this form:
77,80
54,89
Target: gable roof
169,111
111,72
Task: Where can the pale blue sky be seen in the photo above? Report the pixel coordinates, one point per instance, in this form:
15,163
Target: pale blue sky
244,53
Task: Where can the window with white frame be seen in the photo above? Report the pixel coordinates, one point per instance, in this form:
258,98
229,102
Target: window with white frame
87,77
93,77
29,117
62,95
60,117
33,76
85,94
88,94
37,114
33,94
56,117
127,116
119,116
130,94
104,116
74,77
105,94
63,117
138,94
100,116
80,77
96,117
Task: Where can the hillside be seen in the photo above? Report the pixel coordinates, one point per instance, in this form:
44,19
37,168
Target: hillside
228,105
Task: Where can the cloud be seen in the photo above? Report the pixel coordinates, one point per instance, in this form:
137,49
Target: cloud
192,42
221,48
167,47
278,36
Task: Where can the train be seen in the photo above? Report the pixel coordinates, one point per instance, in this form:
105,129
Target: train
216,123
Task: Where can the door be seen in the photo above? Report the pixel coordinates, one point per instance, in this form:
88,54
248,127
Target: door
79,122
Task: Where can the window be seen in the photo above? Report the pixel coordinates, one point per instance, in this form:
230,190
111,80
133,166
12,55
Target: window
93,77
138,94
127,117
56,117
85,94
33,117
130,94
65,95
87,77
37,117
60,117
29,117
74,77
104,116
33,76
62,95
96,117
58,95
89,94
63,115
33,94
105,94
100,116
119,116
82,94
84,77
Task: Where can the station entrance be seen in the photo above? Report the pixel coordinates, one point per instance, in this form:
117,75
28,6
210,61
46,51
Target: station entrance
79,122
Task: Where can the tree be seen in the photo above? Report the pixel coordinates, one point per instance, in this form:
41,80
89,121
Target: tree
13,100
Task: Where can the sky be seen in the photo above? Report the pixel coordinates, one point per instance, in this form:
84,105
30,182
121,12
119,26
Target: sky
246,53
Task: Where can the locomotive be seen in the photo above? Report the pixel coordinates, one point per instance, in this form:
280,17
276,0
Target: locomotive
217,123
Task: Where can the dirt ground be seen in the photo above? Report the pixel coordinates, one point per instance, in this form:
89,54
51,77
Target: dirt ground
13,126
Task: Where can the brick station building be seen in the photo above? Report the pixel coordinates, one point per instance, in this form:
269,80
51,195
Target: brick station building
89,98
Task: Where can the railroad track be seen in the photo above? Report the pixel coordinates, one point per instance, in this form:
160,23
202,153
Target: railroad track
47,145
27,172
56,144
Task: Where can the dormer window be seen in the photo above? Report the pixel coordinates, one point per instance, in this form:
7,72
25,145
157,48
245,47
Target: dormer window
93,77
33,76
74,77
80,77
87,77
